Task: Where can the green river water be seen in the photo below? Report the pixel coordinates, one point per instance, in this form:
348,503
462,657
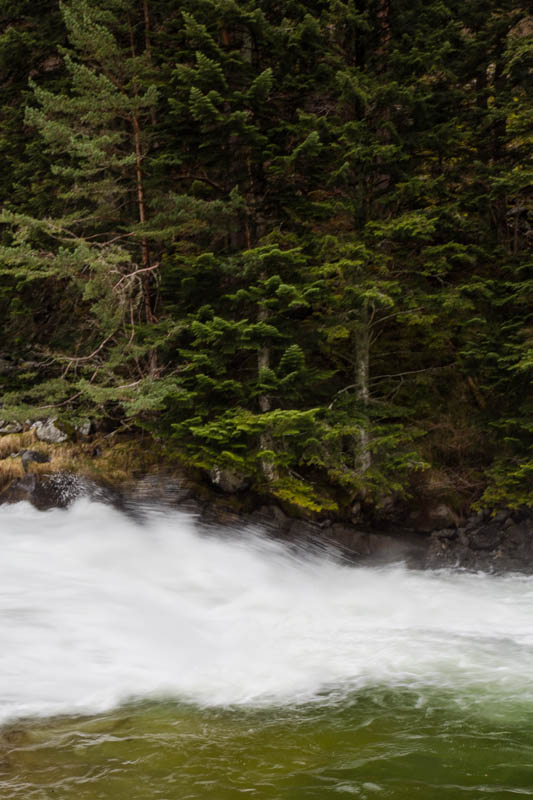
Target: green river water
375,744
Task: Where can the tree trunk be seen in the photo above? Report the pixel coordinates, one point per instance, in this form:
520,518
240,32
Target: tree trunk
141,204
362,389
141,207
384,32
148,46
266,442
147,28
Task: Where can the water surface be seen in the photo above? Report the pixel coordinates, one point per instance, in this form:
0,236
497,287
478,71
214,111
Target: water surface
151,660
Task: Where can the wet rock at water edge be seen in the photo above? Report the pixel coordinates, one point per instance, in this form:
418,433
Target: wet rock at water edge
59,490
356,512
271,517
499,544
363,546
485,538
54,491
348,538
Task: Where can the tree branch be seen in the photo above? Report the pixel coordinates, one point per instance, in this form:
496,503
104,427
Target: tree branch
136,272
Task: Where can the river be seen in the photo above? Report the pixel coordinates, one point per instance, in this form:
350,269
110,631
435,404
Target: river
144,658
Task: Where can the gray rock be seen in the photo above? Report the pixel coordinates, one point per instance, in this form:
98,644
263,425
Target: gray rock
272,516
300,529
228,480
502,516
33,455
348,538
386,506
475,521
518,534
442,516
10,427
446,533
434,518
85,428
53,491
48,431
501,543
355,512
487,538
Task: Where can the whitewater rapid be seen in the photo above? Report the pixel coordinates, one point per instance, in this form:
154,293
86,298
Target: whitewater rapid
97,609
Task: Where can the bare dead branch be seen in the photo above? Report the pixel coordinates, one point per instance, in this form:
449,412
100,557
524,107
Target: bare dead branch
136,272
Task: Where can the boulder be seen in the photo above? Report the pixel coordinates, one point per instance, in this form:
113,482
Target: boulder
434,518
10,427
300,530
58,490
33,455
55,491
49,431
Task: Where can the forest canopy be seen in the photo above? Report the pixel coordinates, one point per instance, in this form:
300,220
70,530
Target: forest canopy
288,239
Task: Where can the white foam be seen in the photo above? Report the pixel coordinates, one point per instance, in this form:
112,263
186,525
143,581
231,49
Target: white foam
96,609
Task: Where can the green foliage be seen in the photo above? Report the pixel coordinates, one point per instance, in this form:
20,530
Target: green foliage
285,238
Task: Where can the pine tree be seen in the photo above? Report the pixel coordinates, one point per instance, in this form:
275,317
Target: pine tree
96,135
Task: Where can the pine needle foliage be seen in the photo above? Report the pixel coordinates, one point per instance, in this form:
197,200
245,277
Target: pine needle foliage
286,238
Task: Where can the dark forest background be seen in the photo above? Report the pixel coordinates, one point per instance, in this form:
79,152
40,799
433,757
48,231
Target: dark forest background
291,240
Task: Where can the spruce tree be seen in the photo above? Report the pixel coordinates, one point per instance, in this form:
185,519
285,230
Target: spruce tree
96,136
241,152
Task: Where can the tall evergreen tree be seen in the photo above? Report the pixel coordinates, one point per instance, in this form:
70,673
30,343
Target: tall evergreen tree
93,244
290,238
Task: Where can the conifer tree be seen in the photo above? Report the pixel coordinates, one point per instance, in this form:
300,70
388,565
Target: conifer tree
28,46
305,255
96,136
240,149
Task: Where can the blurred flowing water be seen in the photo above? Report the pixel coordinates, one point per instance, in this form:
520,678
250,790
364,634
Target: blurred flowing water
145,658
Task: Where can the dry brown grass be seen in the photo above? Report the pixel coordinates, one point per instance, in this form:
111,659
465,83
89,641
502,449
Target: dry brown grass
118,462
62,457
13,442
10,469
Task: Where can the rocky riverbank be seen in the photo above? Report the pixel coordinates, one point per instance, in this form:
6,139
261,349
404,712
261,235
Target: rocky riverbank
499,543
